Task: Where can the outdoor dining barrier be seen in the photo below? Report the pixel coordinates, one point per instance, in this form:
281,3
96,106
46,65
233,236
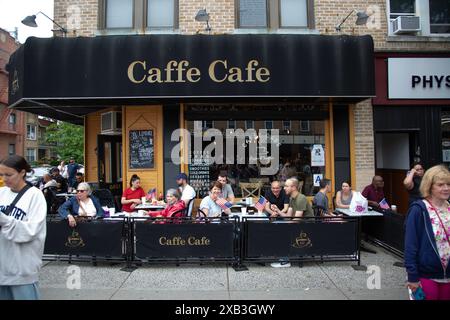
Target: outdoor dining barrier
235,239
185,240
91,239
387,232
300,239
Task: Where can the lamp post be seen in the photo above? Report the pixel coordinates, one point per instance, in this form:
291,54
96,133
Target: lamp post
30,21
360,20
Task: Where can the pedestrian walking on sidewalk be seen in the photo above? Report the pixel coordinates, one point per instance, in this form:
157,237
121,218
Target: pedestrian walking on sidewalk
23,211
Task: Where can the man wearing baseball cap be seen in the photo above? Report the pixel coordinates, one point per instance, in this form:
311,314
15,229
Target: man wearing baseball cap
187,192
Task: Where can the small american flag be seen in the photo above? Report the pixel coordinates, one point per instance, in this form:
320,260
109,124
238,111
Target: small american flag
383,204
224,204
151,194
261,204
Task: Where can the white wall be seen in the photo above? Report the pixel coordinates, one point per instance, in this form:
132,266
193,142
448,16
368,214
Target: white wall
392,150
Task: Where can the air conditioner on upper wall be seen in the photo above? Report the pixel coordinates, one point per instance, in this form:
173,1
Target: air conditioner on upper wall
111,122
406,24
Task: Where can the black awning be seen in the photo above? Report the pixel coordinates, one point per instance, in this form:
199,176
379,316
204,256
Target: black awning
70,73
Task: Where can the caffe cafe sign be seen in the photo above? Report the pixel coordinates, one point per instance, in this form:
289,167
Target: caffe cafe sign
181,71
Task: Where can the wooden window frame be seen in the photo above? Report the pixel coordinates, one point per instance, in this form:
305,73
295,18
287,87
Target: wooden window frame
273,14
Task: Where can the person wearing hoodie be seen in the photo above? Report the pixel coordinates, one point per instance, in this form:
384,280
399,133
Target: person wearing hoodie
22,232
427,238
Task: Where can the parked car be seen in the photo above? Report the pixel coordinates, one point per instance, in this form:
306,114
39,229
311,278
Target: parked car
35,176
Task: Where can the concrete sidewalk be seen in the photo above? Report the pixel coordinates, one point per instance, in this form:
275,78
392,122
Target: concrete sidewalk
324,281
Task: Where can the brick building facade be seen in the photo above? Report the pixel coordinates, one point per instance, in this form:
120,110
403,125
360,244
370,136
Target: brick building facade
89,18
12,122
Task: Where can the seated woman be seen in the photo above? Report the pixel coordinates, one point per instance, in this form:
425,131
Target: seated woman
83,205
131,197
174,204
344,196
209,203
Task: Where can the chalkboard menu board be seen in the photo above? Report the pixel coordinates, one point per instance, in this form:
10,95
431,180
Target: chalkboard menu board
141,149
199,177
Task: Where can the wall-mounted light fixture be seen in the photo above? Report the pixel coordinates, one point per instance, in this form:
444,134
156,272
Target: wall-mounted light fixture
360,20
202,15
30,21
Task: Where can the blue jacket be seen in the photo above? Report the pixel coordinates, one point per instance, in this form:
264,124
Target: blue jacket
422,258
71,206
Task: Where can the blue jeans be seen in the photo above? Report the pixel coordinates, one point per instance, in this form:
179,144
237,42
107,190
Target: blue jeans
20,292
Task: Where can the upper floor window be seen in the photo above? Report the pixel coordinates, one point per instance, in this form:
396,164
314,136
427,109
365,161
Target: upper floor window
12,118
249,124
439,16
138,14
432,17
268,124
31,132
31,155
231,124
119,14
161,13
275,14
11,149
402,8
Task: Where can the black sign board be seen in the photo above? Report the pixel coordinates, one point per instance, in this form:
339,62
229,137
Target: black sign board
94,238
286,239
213,240
67,71
142,154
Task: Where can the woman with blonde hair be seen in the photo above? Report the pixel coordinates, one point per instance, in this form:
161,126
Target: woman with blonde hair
427,238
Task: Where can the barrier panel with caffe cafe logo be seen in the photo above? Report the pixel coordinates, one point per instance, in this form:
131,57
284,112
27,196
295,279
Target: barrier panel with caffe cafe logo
332,239
185,239
99,238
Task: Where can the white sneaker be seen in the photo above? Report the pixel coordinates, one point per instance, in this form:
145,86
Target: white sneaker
284,264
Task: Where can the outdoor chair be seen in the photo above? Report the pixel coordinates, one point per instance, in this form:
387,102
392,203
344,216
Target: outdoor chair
250,189
189,207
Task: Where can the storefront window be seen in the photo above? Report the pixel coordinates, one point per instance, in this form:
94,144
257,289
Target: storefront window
445,127
300,153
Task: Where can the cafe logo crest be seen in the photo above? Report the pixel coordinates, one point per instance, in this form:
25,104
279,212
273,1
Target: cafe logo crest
74,240
302,241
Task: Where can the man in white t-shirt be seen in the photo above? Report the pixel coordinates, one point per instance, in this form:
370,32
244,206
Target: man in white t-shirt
187,192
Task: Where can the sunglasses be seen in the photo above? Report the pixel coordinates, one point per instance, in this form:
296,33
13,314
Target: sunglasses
81,191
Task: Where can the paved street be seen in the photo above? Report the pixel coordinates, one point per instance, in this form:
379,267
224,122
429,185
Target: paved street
330,280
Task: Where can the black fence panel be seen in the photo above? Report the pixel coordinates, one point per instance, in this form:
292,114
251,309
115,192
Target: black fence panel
91,238
302,239
388,230
186,240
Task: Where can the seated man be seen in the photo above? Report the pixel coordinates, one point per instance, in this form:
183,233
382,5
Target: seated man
374,192
299,206
276,198
227,191
321,199
187,192
79,177
61,182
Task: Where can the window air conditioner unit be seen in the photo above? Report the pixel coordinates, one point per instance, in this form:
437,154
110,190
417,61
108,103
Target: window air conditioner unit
111,122
406,24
